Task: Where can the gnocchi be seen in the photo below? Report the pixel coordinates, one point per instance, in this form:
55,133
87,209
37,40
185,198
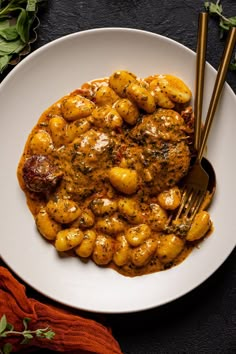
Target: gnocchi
41,143
120,80
170,199
76,107
46,225
68,238
174,88
169,248
200,226
63,211
127,110
85,248
142,254
116,150
105,95
103,250
122,251
142,97
106,117
125,180
138,234
130,210
57,126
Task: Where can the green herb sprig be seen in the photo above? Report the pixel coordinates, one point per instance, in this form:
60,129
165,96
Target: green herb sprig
7,329
16,19
225,23
216,9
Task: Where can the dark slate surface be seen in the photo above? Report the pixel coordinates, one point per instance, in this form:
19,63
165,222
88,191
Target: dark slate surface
203,321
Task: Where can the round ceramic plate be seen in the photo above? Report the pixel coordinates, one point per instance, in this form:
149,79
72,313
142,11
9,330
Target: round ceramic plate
38,81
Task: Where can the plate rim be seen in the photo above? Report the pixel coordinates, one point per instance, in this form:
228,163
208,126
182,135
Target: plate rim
84,32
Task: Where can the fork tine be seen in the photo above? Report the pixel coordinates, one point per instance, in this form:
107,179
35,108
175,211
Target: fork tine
200,200
190,203
184,200
187,202
192,199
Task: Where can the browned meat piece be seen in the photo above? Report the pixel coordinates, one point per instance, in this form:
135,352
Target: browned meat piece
85,162
165,165
165,151
89,149
163,124
40,174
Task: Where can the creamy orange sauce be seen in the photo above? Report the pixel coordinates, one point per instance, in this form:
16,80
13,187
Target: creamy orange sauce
118,157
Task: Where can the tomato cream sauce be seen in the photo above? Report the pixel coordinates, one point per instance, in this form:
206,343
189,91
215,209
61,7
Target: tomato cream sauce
102,169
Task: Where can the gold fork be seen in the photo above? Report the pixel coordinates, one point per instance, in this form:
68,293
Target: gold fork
196,182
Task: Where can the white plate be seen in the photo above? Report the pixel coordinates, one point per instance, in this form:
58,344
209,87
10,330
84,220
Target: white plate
37,82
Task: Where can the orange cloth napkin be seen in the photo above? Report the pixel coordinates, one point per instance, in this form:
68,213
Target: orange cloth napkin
73,333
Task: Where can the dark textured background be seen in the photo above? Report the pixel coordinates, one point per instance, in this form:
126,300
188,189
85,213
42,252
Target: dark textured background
203,321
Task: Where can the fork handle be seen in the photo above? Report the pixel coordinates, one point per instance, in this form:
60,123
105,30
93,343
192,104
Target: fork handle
199,80
219,83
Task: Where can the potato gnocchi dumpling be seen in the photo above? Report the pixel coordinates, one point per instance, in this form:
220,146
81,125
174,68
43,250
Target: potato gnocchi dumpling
85,249
68,238
115,151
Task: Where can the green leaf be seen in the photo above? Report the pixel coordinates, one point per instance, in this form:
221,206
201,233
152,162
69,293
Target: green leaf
38,333
9,327
216,10
7,348
232,20
27,337
213,8
224,25
22,26
25,341
31,5
3,324
49,335
9,33
26,321
232,65
11,47
13,38
4,24
10,8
